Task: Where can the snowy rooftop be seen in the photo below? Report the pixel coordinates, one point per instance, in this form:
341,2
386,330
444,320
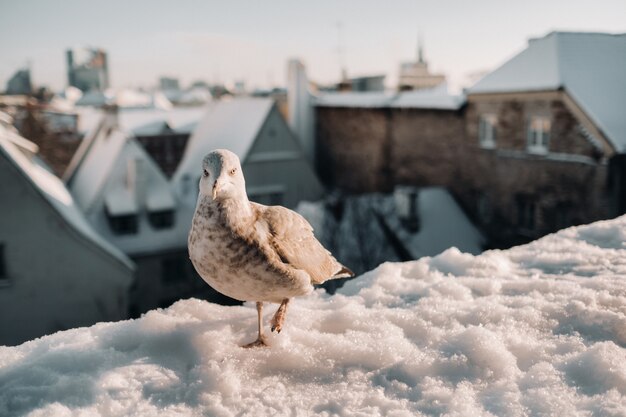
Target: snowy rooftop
534,330
15,148
228,124
370,229
591,67
153,121
435,98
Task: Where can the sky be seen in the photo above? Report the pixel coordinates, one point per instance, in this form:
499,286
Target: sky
228,41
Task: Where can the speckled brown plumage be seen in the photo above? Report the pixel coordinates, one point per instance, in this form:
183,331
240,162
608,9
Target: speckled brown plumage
249,251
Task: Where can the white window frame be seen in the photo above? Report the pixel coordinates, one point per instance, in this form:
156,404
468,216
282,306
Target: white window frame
538,135
487,131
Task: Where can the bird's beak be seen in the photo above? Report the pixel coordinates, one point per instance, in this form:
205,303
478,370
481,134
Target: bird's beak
215,190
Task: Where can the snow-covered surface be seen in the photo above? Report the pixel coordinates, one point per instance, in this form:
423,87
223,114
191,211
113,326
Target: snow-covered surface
153,121
534,330
53,189
435,98
354,99
125,98
428,99
102,182
358,236
88,118
442,224
591,67
227,124
92,173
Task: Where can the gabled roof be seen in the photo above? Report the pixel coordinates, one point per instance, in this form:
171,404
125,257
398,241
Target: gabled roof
98,168
54,192
590,67
138,122
92,173
230,124
118,177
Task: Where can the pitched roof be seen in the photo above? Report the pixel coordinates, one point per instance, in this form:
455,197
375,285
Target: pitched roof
590,67
118,176
138,122
231,124
98,168
54,192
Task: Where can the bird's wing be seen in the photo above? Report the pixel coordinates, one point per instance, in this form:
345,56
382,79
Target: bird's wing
291,237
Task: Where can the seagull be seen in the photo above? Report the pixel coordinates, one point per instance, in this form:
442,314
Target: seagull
252,252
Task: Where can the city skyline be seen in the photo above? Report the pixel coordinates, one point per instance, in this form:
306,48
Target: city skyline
240,40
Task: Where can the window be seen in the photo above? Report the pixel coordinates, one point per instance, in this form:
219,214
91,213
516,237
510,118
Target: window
487,131
526,209
161,219
538,135
123,225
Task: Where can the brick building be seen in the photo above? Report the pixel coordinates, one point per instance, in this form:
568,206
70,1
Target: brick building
372,142
537,145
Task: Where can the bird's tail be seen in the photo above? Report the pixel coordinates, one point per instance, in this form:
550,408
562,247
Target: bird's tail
344,272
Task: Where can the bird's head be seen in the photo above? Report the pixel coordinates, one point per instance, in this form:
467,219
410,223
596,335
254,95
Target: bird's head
221,177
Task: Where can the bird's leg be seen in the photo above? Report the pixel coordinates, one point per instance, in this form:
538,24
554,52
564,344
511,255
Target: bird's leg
260,341
279,317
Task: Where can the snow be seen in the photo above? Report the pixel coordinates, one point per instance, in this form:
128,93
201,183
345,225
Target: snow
356,228
435,98
538,329
18,151
227,124
108,171
589,66
152,121
88,118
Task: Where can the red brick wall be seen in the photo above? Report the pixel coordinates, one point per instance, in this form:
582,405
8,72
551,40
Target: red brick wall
352,148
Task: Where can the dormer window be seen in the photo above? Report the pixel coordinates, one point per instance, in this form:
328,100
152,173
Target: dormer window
123,225
161,219
538,136
487,131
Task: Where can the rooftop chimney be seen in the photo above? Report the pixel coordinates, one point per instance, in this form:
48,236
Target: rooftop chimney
137,180
300,104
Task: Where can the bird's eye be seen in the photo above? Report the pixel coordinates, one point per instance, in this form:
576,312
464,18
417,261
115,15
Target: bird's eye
205,172
232,171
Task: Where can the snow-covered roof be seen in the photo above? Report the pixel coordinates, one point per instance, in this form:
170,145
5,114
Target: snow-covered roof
435,98
152,121
137,122
124,98
55,193
92,173
427,99
590,67
354,99
442,224
117,176
230,124
535,330
88,118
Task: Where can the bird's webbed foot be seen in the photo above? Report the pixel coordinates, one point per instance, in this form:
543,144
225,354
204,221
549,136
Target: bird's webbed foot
260,342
